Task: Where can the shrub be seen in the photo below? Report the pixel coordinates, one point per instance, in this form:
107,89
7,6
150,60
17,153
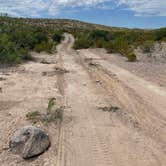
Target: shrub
57,37
82,43
131,57
99,35
17,39
121,46
10,53
99,44
51,104
148,46
44,46
113,109
53,114
34,117
160,34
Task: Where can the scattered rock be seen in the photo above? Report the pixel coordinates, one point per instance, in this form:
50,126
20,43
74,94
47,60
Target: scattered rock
98,82
109,108
57,70
88,59
61,70
2,79
93,64
29,142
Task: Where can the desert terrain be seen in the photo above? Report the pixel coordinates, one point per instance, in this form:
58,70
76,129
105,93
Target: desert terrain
114,110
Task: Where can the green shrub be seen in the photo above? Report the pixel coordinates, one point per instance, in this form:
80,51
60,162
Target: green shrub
99,35
131,57
26,56
121,46
17,39
57,37
34,117
53,114
51,104
10,53
148,46
82,43
113,42
99,44
113,109
160,34
44,46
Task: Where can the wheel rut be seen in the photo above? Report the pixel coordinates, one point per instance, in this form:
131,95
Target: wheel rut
94,137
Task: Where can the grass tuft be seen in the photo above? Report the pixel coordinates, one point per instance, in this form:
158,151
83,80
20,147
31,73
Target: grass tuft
109,108
53,114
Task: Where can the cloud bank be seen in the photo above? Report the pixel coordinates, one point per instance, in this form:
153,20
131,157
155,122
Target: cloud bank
38,8
145,7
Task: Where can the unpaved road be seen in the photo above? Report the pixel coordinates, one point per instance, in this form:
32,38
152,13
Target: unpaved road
133,135
92,133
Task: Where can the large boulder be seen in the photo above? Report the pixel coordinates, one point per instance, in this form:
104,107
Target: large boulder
29,141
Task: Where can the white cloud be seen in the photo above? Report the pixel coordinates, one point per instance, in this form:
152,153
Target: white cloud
32,8
146,7
83,3
36,8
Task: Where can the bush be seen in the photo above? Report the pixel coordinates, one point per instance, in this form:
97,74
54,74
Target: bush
17,39
57,37
99,35
148,46
44,46
82,43
121,46
160,34
53,114
10,53
113,42
99,44
34,117
131,57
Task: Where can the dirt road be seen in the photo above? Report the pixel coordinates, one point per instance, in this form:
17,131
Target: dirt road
98,135
112,116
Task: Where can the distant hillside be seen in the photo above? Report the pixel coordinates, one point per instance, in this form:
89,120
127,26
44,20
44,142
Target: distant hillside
68,24
19,36
62,24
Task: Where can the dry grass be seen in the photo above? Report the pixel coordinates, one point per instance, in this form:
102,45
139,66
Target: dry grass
109,108
53,114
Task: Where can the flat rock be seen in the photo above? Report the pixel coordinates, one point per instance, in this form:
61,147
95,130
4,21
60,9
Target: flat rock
29,142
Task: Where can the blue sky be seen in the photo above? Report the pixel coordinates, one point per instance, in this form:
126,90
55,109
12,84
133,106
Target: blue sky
123,13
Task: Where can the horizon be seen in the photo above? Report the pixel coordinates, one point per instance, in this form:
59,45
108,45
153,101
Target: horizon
117,13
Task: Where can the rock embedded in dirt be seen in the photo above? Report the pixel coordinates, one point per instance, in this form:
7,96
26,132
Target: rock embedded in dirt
29,142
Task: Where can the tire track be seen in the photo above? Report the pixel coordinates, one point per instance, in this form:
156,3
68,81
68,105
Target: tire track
132,101
96,138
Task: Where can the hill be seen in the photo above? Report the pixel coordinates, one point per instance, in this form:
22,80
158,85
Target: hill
21,35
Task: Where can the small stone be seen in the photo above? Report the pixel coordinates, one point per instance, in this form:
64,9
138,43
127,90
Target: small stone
29,142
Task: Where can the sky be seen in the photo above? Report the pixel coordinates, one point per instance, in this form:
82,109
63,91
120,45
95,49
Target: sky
121,13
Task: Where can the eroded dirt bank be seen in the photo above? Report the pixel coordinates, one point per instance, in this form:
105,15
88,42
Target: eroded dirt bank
112,116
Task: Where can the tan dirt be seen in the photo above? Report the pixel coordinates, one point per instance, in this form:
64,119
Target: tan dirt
133,135
24,90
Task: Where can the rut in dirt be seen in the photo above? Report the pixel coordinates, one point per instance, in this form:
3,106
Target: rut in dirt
102,138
